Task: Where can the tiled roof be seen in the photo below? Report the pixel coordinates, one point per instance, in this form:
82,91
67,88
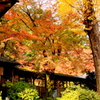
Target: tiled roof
5,60
5,5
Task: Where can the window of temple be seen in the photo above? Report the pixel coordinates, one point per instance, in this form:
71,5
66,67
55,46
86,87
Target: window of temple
39,82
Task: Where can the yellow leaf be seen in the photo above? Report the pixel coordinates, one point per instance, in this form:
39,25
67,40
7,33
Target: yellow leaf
65,6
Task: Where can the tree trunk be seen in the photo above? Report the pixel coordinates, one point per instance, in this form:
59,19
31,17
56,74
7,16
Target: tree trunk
92,29
94,37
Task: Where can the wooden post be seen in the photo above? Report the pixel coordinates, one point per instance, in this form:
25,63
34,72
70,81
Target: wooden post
1,73
31,80
13,76
66,84
58,92
46,87
1,70
0,81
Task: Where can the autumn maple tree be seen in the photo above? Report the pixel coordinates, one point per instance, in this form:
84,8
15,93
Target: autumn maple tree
39,40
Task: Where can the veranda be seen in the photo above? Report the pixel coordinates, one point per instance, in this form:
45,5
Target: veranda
9,71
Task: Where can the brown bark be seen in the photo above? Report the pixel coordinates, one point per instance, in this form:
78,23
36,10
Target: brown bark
94,37
92,29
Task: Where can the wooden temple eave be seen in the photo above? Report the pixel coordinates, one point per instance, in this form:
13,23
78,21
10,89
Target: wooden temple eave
53,76
61,77
5,62
23,72
5,5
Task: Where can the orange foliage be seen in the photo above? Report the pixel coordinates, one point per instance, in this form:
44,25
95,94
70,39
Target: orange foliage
77,63
10,15
49,40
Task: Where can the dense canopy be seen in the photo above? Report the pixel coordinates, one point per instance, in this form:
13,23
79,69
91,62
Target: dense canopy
41,39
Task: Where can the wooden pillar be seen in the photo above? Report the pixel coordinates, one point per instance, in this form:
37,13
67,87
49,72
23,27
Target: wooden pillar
1,70
46,87
12,75
31,79
58,91
66,84
55,84
1,73
0,81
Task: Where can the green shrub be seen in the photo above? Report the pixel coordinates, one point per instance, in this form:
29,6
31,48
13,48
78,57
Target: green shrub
7,84
23,91
88,95
78,93
0,95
